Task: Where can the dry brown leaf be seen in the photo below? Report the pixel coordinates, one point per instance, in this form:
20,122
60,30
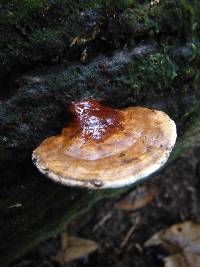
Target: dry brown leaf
75,41
138,198
74,248
181,239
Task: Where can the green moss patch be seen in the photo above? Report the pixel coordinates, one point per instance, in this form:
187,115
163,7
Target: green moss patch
157,71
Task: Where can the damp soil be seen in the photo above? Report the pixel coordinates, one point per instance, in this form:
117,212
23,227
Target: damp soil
177,200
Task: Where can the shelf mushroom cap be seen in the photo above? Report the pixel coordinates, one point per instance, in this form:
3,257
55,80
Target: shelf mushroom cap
106,148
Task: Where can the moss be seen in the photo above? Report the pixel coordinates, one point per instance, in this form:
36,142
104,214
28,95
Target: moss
46,34
180,17
190,71
156,72
139,15
17,10
191,132
110,4
139,20
39,14
50,27
165,71
121,4
195,51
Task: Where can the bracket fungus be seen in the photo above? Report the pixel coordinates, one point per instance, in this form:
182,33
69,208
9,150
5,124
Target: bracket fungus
103,147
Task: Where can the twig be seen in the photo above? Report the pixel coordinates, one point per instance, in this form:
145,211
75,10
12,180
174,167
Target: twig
130,232
102,221
17,205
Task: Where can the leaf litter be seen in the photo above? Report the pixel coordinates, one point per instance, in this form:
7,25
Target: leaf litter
73,248
182,241
138,198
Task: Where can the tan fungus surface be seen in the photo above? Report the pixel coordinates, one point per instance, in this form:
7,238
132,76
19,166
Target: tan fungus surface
140,147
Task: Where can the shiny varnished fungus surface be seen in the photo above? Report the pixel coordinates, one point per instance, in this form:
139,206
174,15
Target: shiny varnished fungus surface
92,121
103,147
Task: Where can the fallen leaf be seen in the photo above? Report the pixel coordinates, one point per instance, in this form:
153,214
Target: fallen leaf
183,240
75,41
138,198
74,248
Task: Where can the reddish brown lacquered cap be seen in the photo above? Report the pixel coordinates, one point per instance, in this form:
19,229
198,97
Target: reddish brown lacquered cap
106,148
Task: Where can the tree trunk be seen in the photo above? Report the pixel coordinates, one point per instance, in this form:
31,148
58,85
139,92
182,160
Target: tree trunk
52,52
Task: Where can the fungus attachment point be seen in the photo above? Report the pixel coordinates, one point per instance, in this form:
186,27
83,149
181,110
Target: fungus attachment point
103,147
93,121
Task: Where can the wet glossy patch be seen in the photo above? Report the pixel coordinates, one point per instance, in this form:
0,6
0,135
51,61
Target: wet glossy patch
91,120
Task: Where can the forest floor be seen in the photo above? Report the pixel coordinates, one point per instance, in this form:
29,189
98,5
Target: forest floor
171,197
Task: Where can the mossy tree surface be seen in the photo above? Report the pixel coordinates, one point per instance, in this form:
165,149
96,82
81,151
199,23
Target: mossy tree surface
137,54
